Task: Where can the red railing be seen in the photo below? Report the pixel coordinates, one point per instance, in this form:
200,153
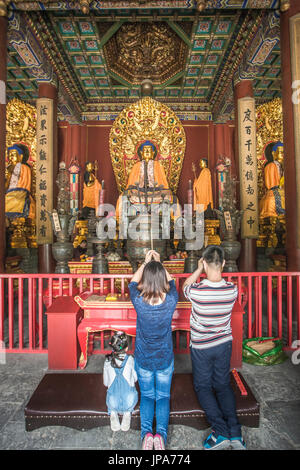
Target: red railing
271,302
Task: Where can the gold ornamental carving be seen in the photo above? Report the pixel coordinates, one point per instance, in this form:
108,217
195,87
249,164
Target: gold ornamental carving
147,119
145,50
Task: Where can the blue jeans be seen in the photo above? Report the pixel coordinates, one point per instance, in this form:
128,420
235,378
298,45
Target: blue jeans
155,389
211,376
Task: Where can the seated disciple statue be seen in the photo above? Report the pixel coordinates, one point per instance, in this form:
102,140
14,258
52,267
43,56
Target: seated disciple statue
91,189
272,203
18,199
203,189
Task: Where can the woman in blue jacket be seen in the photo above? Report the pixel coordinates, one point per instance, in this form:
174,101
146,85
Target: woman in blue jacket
154,296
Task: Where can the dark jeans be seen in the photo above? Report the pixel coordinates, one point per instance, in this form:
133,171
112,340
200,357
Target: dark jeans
211,375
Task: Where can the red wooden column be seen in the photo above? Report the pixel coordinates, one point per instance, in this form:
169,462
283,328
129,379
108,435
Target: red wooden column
3,71
247,259
291,151
46,262
3,66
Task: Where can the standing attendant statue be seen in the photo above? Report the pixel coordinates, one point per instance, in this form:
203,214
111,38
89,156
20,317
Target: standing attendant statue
272,204
18,199
91,189
202,188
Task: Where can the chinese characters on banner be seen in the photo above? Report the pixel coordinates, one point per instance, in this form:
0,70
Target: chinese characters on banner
248,167
44,171
295,60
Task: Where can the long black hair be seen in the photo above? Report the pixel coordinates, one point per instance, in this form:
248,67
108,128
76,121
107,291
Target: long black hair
153,284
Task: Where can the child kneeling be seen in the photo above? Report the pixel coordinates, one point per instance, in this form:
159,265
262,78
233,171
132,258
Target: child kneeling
119,376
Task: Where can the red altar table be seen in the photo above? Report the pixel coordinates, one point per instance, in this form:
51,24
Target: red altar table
101,315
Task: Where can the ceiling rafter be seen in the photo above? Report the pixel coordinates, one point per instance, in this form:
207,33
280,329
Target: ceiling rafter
234,58
201,84
42,33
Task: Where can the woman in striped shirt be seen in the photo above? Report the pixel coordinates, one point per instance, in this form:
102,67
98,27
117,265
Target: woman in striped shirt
211,343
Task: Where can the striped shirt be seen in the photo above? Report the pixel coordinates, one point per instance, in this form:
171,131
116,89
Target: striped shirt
212,304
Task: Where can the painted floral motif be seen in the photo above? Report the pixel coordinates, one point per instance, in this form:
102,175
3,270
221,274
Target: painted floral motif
85,27
66,27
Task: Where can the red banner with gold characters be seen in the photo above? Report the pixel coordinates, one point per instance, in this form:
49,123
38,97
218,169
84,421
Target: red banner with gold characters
44,171
248,167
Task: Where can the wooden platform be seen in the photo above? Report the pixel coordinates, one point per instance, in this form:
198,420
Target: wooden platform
78,400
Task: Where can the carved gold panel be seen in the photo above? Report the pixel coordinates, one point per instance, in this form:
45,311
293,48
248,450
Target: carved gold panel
145,50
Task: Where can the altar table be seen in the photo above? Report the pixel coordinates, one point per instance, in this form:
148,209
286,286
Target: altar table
101,315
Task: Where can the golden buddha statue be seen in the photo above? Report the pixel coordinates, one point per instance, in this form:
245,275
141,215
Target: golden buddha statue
155,172
272,203
146,173
91,189
18,199
202,187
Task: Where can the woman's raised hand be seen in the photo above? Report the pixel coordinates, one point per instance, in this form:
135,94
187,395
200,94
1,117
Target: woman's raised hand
156,256
148,256
152,254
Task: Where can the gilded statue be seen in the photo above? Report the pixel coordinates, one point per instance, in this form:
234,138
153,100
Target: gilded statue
273,203
146,173
155,172
18,199
270,166
147,120
91,189
202,187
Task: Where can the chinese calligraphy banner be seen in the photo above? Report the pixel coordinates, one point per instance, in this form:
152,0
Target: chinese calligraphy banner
248,167
44,171
295,59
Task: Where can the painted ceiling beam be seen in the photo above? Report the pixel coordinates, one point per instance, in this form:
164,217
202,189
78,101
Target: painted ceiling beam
119,79
173,79
137,4
254,58
176,28
112,30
